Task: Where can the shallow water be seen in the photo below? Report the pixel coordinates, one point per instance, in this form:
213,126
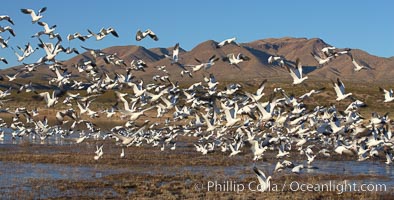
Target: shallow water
15,173
17,176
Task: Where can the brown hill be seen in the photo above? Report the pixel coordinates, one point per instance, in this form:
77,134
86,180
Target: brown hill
254,70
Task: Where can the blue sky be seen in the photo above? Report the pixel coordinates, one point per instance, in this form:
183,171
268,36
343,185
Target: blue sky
367,25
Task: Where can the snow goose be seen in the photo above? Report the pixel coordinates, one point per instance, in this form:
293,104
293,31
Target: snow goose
329,51
297,73
4,42
84,108
340,149
20,58
13,77
235,60
50,50
278,59
320,60
7,28
282,152
339,88
141,35
175,54
209,63
6,17
388,95
235,151
99,152
297,169
231,116
34,17
259,92
211,124
357,67
79,36
279,167
310,93
103,32
389,157
226,42
112,31
122,155
50,100
47,30
263,180
256,149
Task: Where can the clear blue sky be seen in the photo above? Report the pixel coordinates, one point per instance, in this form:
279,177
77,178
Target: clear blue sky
367,25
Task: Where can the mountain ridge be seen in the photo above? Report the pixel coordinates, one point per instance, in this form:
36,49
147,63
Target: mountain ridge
381,69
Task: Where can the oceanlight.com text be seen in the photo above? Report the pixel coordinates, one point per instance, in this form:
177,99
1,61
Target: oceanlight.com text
339,187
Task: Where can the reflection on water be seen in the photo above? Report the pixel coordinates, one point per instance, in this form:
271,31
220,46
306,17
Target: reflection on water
17,176
15,173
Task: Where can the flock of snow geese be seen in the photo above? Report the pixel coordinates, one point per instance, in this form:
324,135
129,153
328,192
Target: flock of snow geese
231,120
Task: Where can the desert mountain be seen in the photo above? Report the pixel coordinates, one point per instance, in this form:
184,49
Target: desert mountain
381,69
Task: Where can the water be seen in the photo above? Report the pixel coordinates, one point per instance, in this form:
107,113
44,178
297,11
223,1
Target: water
16,173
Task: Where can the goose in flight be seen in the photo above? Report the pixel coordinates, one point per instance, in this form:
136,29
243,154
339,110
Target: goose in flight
84,108
175,54
50,100
13,77
235,151
388,95
99,152
297,73
340,90
6,17
256,149
234,60
320,60
4,42
47,30
334,52
79,36
34,17
141,35
104,32
310,93
357,67
125,139
259,92
26,52
209,63
297,169
60,115
3,60
231,115
226,42
329,51
50,50
7,28
278,59
263,180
